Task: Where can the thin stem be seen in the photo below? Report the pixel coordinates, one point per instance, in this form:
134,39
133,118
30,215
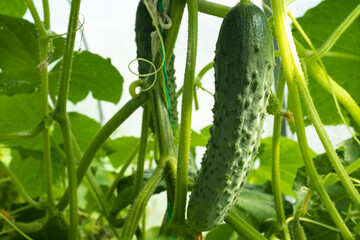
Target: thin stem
46,10
122,172
37,21
175,13
142,151
315,118
71,167
186,112
213,9
100,138
283,33
323,79
67,58
15,227
245,230
33,132
44,41
339,31
275,172
20,187
140,202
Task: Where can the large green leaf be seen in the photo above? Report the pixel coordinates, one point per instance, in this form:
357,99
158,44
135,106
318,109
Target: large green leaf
90,72
120,149
319,23
19,55
290,161
19,51
19,112
14,8
82,127
28,166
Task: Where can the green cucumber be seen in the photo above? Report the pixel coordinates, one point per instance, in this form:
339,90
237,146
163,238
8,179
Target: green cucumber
244,61
143,29
171,84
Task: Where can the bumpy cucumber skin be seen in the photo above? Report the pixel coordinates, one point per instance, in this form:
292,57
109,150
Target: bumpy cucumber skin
170,70
244,60
143,29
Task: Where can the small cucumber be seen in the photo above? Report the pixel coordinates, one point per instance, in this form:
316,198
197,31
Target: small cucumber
143,29
244,61
170,70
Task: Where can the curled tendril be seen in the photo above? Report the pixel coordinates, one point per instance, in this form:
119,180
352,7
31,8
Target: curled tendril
144,75
155,39
133,86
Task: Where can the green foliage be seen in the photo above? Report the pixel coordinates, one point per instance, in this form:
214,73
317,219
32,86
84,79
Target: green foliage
318,24
290,161
120,149
14,8
90,73
21,111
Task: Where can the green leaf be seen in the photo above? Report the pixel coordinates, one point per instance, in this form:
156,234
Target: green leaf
223,231
348,152
19,55
120,149
14,8
90,72
200,139
255,206
19,52
82,127
19,112
319,23
290,161
28,166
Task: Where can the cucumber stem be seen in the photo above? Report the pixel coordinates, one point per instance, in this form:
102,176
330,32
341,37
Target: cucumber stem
98,140
213,9
44,40
275,163
284,39
186,111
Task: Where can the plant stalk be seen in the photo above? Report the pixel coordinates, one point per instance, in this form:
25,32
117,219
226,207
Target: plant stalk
275,163
186,112
20,187
284,37
245,230
142,151
100,138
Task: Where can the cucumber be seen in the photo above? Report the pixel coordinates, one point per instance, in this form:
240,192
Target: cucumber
143,29
244,61
171,84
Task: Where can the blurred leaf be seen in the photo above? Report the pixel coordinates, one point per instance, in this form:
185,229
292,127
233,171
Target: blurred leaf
125,189
290,161
200,139
90,72
120,149
153,233
83,128
14,8
19,51
223,232
19,55
28,166
19,112
319,23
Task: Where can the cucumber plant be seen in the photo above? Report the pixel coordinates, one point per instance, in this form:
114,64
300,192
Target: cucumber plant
63,175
